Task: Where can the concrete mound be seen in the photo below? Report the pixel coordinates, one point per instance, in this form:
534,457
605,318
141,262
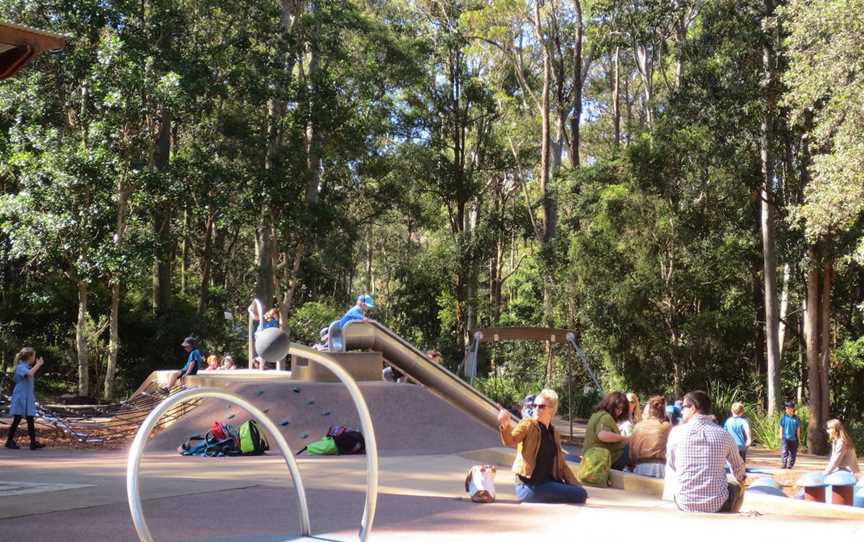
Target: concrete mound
408,419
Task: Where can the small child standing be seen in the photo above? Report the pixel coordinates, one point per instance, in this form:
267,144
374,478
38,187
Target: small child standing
24,397
790,436
739,427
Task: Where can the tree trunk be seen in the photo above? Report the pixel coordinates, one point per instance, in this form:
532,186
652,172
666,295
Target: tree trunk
759,363
264,257
769,248
369,260
218,265
109,388
162,223
825,326
576,118
616,95
81,341
184,248
784,309
816,443
645,65
206,261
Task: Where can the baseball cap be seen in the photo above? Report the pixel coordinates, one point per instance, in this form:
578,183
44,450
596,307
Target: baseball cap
367,300
189,341
790,404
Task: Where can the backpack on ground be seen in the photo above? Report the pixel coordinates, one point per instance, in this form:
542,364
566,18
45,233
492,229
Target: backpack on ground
252,442
323,446
594,468
208,445
348,441
480,483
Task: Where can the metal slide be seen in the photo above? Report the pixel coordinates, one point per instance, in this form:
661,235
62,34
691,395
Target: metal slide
402,355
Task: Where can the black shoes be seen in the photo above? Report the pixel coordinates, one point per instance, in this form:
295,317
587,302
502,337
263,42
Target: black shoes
12,445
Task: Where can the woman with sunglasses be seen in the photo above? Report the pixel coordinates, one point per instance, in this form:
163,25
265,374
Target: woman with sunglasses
542,475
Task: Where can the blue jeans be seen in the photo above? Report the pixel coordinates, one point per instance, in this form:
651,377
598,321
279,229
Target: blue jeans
550,492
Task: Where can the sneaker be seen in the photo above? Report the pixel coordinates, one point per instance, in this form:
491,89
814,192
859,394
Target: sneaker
36,445
12,445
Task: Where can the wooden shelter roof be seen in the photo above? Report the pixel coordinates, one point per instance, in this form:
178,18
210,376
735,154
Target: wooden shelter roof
20,45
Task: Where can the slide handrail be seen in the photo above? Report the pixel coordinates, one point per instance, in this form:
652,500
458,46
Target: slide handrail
406,358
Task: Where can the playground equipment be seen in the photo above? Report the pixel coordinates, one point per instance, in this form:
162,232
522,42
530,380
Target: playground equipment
107,424
278,348
551,336
371,335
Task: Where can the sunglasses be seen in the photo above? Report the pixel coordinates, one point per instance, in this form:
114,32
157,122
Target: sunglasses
539,407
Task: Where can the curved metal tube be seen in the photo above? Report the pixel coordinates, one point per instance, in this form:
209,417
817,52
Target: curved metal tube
133,492
366,426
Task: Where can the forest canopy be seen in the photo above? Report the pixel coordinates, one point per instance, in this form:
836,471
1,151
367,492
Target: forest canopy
679,182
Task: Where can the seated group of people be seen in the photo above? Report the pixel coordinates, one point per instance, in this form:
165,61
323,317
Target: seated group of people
691,455
696,451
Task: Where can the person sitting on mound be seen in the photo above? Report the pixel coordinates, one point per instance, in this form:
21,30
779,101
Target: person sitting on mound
542,475
602,430
648,443
193,362
213,363
697,453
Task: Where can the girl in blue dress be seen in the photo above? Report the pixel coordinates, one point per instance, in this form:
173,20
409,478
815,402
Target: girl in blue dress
24,397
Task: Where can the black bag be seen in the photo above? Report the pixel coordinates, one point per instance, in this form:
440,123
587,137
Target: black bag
348,441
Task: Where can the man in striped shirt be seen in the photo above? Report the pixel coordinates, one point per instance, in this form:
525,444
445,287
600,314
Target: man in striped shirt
697,452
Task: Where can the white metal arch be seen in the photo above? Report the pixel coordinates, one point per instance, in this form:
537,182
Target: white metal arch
136,451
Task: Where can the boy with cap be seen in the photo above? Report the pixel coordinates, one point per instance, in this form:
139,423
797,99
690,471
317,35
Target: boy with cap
357,312
194,361
790,436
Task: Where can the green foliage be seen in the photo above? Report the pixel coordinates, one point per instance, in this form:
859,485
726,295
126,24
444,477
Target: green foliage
508,392
306,322
722,397
765,427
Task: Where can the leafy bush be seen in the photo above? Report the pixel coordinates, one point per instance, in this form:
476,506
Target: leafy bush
505,391
306,322
722,396
765,427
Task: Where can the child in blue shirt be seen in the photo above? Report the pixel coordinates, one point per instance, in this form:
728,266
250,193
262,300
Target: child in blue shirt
738,426
24,397
790,436
194,361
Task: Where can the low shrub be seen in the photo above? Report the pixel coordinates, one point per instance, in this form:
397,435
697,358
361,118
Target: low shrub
765,427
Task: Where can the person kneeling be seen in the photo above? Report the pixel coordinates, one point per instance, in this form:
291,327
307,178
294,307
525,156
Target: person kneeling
542,475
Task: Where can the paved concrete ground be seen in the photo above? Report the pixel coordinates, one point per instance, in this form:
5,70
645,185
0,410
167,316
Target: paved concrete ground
57,495
251,498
